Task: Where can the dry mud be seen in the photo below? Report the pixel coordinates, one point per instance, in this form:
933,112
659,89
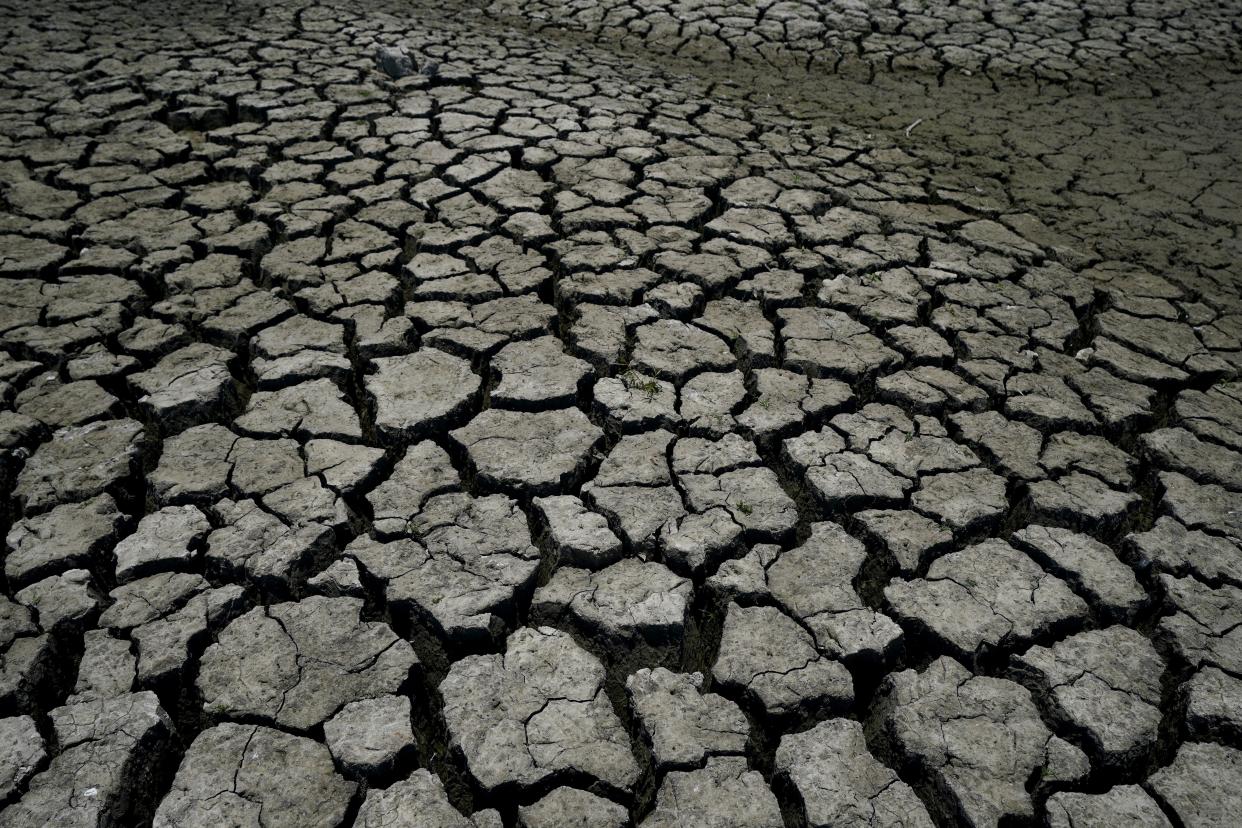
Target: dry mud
598,414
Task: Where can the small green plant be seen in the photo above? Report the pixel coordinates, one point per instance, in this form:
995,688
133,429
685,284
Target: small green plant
634,381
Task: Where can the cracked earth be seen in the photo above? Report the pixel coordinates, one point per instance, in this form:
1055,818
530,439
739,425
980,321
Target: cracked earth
543,413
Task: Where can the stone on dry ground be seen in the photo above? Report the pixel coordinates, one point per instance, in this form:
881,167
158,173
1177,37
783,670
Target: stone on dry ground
576,535
1213,705
23,753
540,452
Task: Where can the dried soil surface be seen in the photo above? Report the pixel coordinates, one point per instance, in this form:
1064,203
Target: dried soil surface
550,413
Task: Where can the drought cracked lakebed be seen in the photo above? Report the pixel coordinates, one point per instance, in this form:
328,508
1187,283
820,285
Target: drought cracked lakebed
598,414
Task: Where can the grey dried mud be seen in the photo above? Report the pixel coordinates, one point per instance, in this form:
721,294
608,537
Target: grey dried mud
524,413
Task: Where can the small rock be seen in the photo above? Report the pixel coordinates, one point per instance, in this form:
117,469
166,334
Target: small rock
1106,684
977,740
1213,701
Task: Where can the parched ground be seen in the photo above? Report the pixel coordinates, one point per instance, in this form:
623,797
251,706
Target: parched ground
548,413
